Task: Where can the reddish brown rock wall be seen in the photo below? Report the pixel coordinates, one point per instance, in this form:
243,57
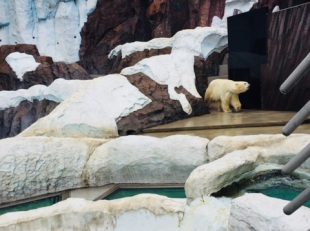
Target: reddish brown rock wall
161,110
118,63
45,73
120,21
15,120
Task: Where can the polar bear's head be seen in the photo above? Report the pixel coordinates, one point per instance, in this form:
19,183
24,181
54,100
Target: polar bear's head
240,87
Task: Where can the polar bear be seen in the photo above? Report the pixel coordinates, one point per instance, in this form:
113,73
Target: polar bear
221,93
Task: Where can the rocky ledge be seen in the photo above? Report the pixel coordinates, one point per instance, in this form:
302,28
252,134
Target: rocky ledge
233,159
51,165
21,66
19,109
139,21
249,212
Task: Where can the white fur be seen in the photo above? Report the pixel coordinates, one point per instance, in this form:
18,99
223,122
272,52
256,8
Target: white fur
223,93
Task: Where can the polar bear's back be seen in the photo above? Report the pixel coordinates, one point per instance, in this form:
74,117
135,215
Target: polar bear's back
217,88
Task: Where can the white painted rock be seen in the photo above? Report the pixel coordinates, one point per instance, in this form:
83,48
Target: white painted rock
209,214
53,25
213,176
258,212
177,68
130,48
274,148
239,157
21,63
248,212
35,166
92,111
58,91
133,213
143,159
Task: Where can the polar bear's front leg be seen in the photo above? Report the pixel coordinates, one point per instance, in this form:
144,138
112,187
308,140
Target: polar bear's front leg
235,102
225,102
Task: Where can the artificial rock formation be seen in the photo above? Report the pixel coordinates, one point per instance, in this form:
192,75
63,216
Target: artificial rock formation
271,145
152,211
19,109
243,157
141,21
119,62
93,110
248,212
166,160
130,54
161,110
259,212
177,68
169,91
50,164
13,120
44,74
52,25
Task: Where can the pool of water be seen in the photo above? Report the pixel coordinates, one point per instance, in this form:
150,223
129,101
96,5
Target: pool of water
271,183
278,191
128,192
281,191
31,205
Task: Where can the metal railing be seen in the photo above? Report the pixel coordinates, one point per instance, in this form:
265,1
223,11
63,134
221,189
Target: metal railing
297,75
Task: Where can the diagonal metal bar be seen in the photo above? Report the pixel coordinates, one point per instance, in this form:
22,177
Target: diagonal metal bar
297,119
295,162
297,75
295,204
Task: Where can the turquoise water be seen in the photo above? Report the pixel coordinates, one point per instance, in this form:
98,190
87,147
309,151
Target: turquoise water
281,191
128,192
31,205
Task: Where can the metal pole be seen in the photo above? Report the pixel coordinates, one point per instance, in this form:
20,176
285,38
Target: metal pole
301,199
295,162
300,71
297,119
